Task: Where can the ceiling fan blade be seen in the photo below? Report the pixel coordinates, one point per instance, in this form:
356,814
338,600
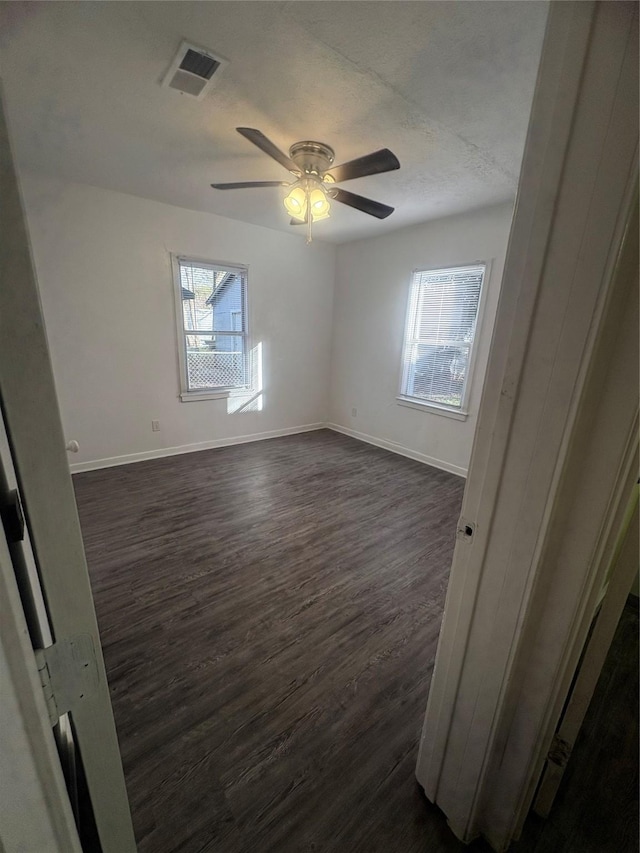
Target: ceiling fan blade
243,185
258,138
371,164
366,205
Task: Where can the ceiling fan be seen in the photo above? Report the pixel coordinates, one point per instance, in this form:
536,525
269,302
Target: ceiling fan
311,164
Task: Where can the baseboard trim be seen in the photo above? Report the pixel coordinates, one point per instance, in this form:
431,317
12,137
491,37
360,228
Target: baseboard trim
114,461
400,449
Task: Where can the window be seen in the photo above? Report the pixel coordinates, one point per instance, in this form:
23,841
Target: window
439,336
211,302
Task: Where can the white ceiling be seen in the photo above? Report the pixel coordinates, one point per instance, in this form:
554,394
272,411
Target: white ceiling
447,86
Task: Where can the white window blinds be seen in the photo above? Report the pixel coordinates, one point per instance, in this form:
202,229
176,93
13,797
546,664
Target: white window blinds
439,336
212,325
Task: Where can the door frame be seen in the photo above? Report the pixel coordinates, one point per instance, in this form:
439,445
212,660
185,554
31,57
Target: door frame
507,644
34,430
620,575
35,812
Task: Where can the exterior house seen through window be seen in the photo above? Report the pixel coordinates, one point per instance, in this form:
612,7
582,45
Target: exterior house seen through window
439,337
212,326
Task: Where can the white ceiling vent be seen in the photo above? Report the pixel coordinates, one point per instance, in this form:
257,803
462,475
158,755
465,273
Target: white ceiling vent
193,70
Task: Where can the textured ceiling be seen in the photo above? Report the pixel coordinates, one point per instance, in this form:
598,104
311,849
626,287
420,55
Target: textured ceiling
446,85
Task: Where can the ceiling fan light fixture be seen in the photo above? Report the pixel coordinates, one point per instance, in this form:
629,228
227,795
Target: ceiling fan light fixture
296,203
315,178
319,205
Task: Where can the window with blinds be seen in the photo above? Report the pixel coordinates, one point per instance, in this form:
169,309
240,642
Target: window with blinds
211,302
439,335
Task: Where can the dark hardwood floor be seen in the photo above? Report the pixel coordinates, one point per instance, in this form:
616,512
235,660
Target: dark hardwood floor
269,615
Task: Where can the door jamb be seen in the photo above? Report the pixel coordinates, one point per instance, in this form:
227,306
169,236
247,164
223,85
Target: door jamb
35,772
577,189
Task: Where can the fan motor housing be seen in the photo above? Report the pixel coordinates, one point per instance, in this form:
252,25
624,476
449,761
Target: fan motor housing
313,158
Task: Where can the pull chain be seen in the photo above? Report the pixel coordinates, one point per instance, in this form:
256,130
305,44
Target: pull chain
309,218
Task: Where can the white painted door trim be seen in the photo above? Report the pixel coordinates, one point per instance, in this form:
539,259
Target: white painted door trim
34,429
35,812
506,643
624,568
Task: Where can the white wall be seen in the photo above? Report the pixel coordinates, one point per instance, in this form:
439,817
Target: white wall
103,265
370,302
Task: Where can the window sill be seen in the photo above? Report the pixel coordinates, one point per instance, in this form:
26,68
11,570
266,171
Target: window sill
434,408
224,394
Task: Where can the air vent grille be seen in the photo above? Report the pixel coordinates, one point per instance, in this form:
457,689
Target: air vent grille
192,70
199,64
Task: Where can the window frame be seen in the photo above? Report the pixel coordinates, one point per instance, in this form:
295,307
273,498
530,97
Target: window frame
457,413
186,394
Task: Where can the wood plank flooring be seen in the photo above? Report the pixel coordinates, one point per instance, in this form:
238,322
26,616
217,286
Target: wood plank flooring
596,808
269,614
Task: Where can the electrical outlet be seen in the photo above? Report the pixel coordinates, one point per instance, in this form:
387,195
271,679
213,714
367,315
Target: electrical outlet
155,426
354,412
